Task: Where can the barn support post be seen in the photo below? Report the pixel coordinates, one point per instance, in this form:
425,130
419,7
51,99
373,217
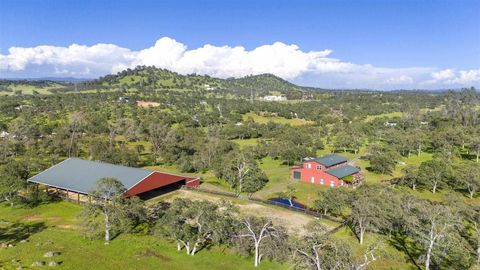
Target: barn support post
78,198
68,196
89,198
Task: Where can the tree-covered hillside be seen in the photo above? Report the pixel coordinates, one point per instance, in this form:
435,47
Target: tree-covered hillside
151,79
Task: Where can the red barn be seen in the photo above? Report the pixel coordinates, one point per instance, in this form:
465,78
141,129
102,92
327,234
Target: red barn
331,170
80,176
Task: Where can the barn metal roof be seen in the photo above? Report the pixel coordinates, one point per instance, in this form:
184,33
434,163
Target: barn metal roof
330,160
343,171
81,175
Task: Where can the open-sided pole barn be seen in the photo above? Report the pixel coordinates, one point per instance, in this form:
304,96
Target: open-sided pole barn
78,177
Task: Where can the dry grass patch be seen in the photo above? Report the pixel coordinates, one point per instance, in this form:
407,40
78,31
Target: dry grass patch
292,221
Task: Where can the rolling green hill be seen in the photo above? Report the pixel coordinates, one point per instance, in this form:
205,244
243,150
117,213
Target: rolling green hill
143,78
29,87
150,78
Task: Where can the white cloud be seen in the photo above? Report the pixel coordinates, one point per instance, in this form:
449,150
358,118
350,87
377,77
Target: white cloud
402,79
468,76
443,74
451,77
72,60
288,61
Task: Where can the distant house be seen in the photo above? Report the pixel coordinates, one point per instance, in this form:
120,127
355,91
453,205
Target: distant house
274,98
208,87
390,123
21,107
123,99
330,170
4,134
145,104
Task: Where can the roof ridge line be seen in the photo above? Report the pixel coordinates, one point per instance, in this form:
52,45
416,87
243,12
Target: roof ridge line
111,164
48,168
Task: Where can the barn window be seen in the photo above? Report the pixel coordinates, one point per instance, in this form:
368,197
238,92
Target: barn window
321,181
313,179
297,175
319,167
332,183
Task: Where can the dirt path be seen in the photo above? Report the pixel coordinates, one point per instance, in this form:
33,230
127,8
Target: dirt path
292,221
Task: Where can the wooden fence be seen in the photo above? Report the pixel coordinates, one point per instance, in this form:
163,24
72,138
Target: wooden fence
304,210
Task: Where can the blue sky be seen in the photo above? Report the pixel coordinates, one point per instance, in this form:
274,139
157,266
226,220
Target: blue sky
383,44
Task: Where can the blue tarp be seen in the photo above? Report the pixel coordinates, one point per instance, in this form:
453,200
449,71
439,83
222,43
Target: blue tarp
287,202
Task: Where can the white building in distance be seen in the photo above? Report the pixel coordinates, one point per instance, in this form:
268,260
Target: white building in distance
274,98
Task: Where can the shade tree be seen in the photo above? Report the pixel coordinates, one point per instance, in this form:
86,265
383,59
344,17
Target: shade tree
434,228
316,249
434,173
242,173
332,200
194,225
256,231
110,210
468,178
382,159
370,211
13,176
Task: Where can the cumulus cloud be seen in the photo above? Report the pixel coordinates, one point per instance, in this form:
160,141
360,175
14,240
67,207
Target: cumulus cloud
72,60
402,79
288,61
443,74
452,77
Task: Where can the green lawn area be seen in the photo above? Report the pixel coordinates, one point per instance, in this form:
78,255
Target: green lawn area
242,143
279,178
281,120
383,115
130,79
29,89
52,227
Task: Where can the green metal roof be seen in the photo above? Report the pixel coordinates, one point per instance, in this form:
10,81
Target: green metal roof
82,175
343,171
330,160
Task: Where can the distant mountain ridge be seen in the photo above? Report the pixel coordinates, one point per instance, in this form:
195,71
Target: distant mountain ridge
48,79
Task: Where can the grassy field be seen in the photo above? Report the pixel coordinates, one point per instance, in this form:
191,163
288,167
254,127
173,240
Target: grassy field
52,227
383,115
29,89
245,142
281,120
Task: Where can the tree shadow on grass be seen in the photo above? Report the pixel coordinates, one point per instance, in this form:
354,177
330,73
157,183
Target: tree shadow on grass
402,243
16,232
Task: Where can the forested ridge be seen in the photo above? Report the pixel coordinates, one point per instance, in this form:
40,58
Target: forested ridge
142,79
